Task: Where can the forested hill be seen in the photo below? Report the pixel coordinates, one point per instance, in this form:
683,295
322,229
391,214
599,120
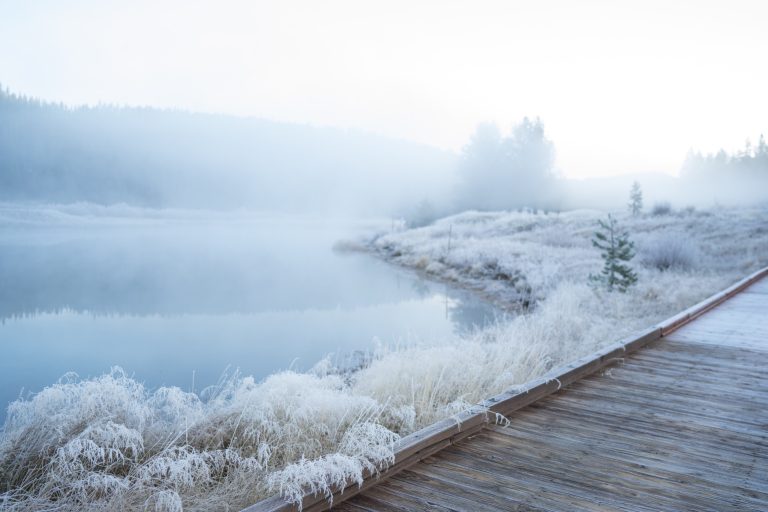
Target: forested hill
150,157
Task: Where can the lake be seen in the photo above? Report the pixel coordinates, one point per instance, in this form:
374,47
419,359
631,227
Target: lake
179,297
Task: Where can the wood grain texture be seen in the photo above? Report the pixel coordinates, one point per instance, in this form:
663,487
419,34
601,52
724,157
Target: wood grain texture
679,425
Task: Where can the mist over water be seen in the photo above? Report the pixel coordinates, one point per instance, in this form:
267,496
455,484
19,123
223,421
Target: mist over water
237,238
178,297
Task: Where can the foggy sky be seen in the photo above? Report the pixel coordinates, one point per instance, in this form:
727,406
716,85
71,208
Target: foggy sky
620,86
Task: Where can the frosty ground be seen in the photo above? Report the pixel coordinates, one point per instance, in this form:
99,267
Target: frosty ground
108,443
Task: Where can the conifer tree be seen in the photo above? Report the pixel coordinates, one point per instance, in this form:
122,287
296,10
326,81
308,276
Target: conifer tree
617,251
635,199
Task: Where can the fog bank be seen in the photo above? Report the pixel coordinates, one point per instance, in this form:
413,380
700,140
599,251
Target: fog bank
163,158
51,153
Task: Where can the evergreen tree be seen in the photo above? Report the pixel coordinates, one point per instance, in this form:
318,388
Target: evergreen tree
617,251
635,199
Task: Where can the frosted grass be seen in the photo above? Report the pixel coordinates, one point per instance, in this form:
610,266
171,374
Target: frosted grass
545,250
108,443
111,444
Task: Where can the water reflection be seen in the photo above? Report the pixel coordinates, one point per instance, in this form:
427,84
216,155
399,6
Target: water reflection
469,315
166,300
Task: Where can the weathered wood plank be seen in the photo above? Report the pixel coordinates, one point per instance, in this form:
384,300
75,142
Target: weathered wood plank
620,483
637,454
699,309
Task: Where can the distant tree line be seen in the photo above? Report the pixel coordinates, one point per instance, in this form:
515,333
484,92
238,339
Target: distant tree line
750,161
733,178
151,157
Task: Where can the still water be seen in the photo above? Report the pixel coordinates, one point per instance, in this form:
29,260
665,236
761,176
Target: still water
177,298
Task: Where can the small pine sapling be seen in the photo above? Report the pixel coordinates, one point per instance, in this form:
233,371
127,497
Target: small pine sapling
616,250
635,199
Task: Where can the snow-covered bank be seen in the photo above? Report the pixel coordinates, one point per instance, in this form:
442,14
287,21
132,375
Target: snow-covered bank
108,443
513,256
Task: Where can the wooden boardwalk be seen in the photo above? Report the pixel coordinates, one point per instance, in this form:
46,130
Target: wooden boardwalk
675,418
679,425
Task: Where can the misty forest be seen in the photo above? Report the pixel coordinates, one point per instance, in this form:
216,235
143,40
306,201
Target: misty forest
212,309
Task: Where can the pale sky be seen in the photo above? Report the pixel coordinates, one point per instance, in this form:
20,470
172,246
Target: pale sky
621,86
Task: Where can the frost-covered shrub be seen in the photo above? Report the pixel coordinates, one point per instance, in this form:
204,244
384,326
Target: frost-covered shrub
661,208
558,238
109,444
670,252
364,450
164,501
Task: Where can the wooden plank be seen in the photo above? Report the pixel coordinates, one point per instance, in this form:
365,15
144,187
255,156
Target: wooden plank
702,307
436,494
505,490
645,452
620,481
701,439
